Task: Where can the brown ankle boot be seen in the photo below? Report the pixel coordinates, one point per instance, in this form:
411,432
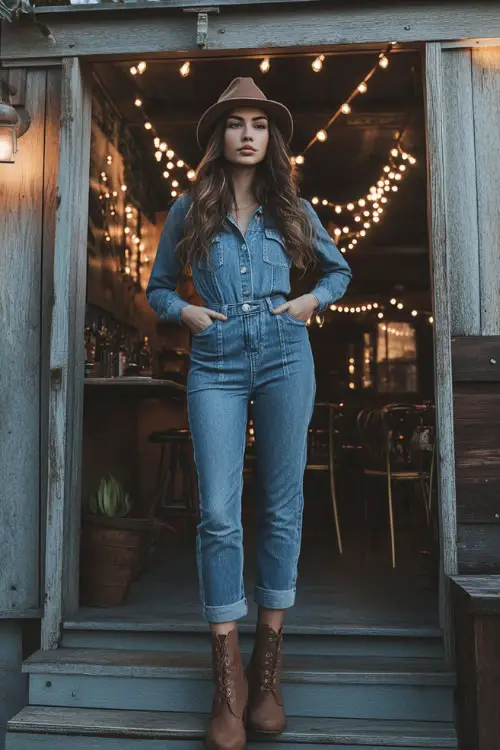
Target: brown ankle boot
266,714
227,724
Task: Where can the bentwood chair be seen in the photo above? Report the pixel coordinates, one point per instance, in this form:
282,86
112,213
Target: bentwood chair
394,439
322,451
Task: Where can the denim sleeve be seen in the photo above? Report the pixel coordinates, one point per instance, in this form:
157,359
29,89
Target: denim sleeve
335,271
160,291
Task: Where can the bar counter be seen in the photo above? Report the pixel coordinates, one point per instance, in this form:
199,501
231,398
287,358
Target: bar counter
144,386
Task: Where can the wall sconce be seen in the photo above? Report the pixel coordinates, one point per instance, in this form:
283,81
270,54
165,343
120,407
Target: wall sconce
13,122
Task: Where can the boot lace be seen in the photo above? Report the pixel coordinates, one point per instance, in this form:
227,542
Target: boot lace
223,676
271,663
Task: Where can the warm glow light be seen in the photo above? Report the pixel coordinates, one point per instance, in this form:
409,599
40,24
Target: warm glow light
180,164
383,61
346,108
175,183
141,67
315,201
322,135
170,154
133,70
299,159
191,175
138,102
362,88
265,65
166,174
185,69
170,165
317,64
148,125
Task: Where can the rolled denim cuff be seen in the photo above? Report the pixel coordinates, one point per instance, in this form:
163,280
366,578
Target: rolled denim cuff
323,296
274,599
174,310
226,612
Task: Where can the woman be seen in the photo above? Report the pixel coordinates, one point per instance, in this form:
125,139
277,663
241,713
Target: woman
240,230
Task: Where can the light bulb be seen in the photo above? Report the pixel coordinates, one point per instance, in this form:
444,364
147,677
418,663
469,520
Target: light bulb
345,229
366,213
393,301
383,61
394,188
166,174
399,305
265,65
317,63
299,159
158,155
141,67
361,202
322,135
387,169
402,167
138,102
175,183
338,209
337,231
394,152
366,225
185,69
414,313
324,202
191,175
350,246
412,160
156,141
133,70
404,155
148,125
354,242
380,315
431,319
346,108
180,164
357,218
170,164
170,154
362,233
391,175
383,199
124,188
350,206
173,193
315,201
362,88
163,146
398,176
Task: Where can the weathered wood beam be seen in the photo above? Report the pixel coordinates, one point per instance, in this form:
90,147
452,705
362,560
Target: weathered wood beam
97,32
435,116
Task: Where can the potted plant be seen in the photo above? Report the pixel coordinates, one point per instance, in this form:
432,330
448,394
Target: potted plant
112,546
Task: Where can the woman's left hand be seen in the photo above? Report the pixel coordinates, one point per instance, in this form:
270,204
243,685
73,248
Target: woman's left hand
300,307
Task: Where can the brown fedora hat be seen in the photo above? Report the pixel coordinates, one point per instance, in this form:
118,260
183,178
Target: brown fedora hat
244,92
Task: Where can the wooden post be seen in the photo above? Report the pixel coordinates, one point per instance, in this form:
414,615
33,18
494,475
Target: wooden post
67,354
477,618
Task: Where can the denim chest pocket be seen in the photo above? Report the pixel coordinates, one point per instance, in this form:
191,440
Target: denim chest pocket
273,249
216,259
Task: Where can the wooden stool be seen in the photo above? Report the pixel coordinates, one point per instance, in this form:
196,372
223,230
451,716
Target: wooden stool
177,442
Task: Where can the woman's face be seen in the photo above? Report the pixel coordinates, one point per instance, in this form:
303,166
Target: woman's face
246,136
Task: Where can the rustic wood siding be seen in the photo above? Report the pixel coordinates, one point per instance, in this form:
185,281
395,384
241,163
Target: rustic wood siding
476,399
25,208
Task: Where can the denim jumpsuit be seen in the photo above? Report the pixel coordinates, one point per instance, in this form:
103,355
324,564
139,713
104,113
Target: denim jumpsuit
257,356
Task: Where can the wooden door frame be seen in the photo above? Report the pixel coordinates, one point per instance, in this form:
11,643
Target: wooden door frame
66,388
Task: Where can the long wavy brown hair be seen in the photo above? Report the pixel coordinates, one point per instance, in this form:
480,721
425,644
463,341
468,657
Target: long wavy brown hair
275,187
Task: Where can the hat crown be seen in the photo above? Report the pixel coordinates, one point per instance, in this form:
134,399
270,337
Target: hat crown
242,88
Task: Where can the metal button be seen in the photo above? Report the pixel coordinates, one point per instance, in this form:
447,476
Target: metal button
245,307
243,269
246,293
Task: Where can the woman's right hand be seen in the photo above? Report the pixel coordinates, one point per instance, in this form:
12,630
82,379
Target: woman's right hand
197,318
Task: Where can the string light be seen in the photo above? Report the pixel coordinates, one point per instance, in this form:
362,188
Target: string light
362,87
185,69
317,63
367,215
265,65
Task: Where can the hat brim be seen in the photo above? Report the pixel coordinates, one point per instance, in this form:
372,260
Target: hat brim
277,111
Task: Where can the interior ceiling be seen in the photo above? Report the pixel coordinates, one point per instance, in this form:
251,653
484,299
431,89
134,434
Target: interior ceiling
341,169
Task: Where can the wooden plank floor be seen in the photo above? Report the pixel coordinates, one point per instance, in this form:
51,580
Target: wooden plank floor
356,590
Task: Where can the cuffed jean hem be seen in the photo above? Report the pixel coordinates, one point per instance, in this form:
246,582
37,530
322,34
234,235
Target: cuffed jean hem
274,599
226,613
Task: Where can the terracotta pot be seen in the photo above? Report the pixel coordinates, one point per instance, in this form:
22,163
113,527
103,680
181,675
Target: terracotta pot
110,557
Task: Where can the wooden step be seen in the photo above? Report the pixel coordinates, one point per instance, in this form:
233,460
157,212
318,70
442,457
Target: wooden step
37,728
165,635
326,686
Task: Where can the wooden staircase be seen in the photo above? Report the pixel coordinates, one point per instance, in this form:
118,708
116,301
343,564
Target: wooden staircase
149,688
